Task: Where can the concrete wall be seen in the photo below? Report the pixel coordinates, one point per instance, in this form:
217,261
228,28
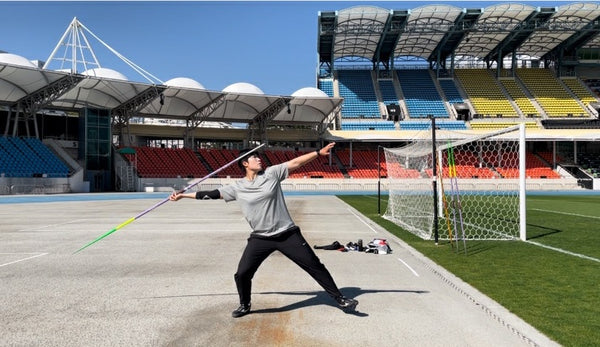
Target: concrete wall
363,185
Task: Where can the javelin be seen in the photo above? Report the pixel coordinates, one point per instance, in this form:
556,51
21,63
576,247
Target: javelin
167,199
454,181
445,204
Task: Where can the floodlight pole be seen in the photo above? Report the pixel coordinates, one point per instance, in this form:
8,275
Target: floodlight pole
434,180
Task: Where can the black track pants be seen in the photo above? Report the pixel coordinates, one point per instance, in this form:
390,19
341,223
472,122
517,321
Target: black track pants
293,246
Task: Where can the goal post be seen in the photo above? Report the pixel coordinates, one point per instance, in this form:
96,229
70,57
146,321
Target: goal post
479,185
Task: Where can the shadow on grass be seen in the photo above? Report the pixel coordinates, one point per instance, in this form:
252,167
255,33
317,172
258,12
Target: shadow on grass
473,247
540,231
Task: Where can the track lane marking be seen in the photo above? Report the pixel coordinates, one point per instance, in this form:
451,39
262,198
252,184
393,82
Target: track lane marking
409,267
365,223
53,225
375,231
20,260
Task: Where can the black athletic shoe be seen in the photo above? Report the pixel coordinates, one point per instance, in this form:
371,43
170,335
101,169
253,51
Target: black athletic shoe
345,303
243,310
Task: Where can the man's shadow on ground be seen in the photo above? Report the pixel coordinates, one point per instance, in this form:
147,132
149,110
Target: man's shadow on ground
322,298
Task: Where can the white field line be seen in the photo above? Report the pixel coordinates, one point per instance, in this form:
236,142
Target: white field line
20,260
566,213
54,225
408,266
360,219
560,249
564,251
375,231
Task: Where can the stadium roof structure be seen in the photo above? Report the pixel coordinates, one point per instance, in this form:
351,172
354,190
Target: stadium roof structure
81,82
436,33
28,89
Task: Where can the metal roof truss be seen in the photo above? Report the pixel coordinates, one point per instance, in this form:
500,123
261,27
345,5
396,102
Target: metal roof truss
435,32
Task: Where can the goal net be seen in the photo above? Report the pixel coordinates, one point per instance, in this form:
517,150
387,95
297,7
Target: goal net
475,189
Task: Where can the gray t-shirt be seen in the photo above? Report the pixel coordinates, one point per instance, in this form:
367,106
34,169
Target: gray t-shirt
262,201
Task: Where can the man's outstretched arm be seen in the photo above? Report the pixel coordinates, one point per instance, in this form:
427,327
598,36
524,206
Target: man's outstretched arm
203,194
308,157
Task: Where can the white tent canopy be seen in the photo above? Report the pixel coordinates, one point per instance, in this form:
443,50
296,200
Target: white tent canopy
103,88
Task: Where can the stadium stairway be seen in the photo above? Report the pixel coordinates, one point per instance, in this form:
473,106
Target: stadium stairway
551,94
340,165
203,161
421,95
492,101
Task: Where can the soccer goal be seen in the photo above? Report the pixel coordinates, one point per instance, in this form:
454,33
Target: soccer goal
466,187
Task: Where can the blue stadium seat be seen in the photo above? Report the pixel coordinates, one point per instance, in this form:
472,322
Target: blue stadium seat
360,101
326,86
452,93
388,92
28,157
420,94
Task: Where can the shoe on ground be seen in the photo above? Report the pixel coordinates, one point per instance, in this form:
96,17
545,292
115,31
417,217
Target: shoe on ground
346,304
243,310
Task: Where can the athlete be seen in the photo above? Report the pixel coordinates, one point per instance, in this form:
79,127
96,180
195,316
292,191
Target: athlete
260,197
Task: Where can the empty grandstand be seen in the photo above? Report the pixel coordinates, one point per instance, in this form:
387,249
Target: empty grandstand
472,70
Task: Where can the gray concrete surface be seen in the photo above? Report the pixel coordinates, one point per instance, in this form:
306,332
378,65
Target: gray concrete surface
167,280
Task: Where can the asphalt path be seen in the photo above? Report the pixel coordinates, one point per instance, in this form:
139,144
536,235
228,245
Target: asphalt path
166,279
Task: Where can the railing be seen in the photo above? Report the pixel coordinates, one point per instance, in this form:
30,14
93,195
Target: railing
37,185
360,185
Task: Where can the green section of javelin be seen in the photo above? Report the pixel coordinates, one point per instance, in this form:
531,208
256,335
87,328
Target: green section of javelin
106,234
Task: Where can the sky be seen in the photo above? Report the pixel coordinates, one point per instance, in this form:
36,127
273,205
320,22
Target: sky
270,44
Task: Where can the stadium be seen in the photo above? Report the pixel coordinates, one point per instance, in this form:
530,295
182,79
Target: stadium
453,116
382,75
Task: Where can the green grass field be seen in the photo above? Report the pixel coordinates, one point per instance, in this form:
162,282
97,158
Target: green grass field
554,288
